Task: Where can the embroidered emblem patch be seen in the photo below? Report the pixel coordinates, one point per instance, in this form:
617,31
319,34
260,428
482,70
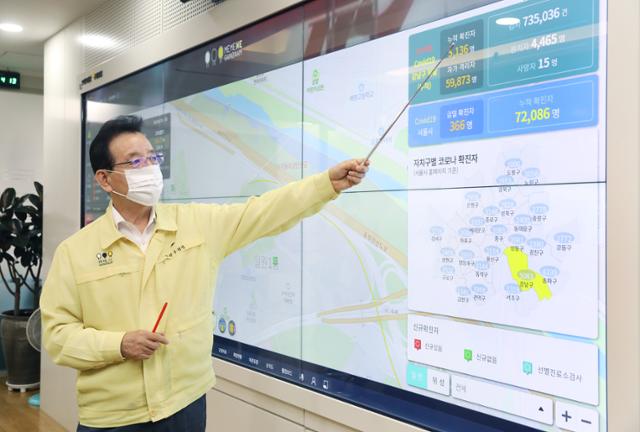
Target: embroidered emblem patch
104,258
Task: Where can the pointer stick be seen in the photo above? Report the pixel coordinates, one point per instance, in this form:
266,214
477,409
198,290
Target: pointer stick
407,104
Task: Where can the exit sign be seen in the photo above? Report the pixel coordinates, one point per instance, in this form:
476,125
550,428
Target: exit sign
9,80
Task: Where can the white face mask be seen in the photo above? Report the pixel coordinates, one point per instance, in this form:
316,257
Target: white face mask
145,185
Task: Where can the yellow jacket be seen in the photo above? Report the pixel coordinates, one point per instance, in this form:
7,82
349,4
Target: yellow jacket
101,285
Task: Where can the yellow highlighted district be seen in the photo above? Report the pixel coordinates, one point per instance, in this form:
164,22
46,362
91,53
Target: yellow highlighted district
524,276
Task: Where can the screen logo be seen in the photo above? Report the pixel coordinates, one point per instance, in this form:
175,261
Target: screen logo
316,85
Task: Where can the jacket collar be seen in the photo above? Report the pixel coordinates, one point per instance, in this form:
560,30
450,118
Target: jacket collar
165,218
109,234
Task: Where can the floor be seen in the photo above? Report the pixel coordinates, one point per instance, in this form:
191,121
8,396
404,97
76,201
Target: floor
16,415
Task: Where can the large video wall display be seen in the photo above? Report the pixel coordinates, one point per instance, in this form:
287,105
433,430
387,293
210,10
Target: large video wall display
461,286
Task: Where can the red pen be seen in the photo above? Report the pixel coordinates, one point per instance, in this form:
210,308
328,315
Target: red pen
159,317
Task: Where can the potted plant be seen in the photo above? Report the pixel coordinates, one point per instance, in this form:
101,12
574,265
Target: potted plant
20,267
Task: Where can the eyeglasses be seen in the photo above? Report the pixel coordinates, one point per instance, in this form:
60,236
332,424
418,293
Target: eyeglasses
153,158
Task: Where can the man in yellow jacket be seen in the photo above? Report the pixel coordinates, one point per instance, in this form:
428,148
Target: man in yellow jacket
109,281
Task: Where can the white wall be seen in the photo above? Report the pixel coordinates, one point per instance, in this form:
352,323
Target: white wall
20,140
623,216
61,151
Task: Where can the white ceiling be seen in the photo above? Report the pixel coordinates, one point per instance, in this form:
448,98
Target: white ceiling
41,19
